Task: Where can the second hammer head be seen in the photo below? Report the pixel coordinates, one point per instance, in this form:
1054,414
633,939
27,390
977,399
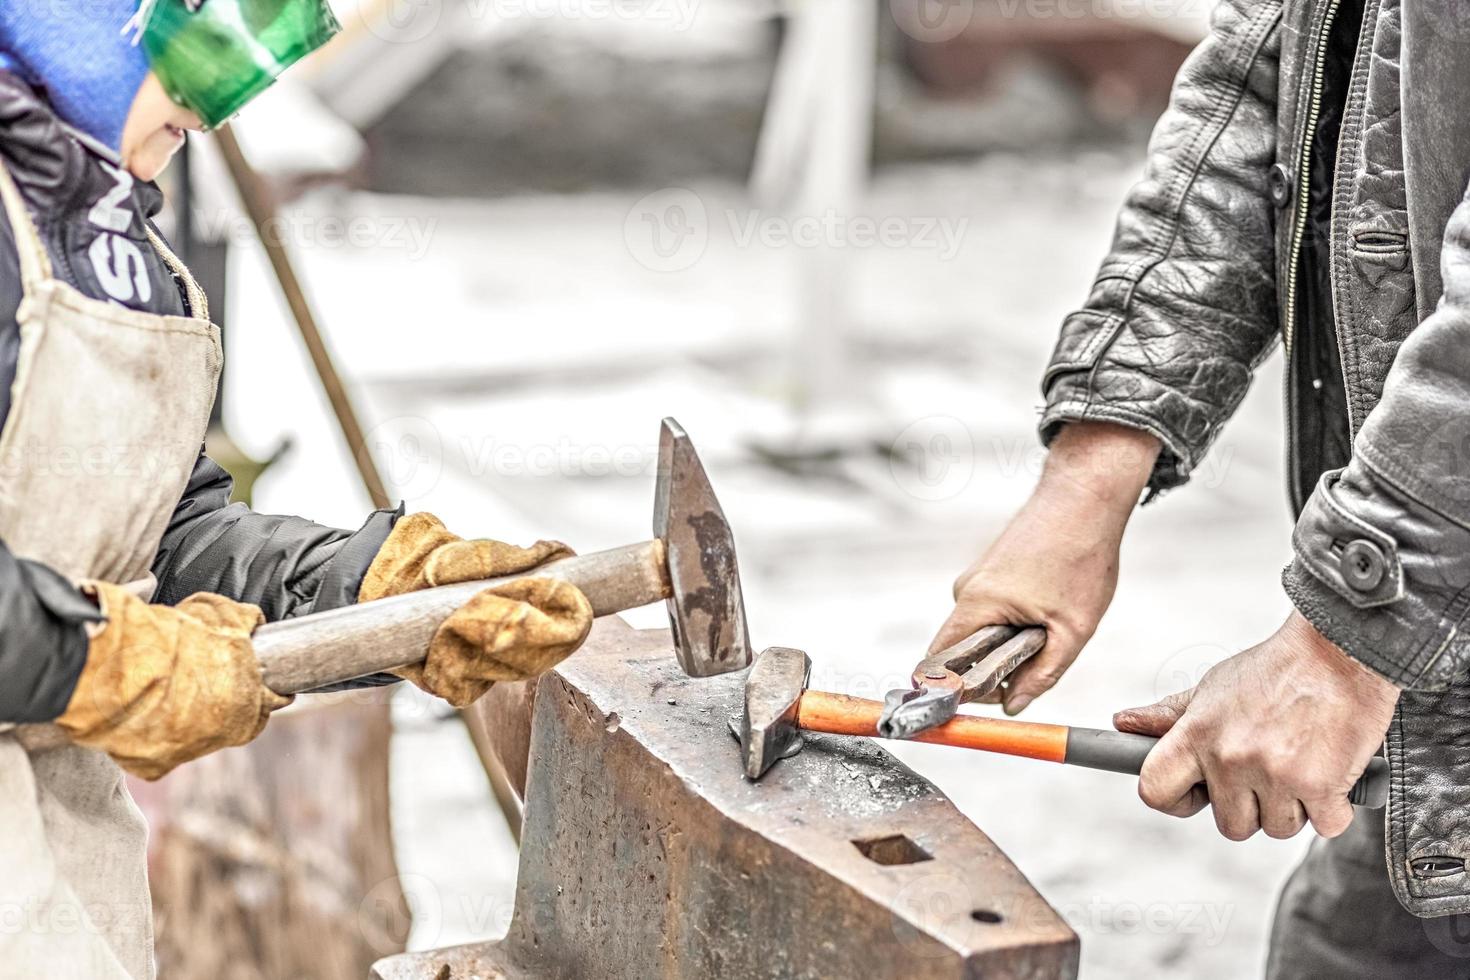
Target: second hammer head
768,729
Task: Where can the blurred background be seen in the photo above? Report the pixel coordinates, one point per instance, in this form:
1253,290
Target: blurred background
835,239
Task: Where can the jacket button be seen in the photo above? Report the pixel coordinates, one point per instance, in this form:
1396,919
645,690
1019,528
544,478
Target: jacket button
1278,185
1363,565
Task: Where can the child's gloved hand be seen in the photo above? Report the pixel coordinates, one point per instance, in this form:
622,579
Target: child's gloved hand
512,632
166,684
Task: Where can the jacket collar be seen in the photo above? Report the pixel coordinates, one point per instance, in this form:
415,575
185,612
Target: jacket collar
48,158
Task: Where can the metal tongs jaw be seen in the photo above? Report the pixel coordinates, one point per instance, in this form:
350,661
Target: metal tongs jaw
964,672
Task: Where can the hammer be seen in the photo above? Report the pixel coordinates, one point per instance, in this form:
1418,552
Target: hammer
779,707
690,563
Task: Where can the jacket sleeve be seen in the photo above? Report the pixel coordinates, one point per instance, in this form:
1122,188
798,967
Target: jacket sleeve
1184,306
43,639
288,566
1382,548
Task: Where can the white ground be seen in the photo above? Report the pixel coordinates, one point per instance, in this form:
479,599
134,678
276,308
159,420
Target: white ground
520,350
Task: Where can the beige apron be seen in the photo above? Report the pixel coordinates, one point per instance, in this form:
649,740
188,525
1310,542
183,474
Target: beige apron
107,415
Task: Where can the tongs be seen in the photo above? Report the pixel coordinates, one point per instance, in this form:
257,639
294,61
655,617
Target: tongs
964,672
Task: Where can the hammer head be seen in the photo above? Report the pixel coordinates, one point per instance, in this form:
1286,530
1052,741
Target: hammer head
706,606
773,690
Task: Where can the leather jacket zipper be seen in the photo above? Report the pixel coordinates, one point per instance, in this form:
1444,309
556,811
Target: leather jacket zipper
1302,206
1303,166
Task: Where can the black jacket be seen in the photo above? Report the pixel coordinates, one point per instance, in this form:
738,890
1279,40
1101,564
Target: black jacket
286,565
1308,183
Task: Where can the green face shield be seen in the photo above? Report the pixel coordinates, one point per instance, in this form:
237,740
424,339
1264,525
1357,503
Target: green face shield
213,56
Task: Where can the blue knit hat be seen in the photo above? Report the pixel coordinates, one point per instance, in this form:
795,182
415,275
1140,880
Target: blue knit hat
77,52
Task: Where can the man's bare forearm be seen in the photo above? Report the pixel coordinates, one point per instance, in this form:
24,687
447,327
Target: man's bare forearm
1055,564
1098,465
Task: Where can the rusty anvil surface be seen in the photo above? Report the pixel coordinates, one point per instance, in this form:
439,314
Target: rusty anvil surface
646,853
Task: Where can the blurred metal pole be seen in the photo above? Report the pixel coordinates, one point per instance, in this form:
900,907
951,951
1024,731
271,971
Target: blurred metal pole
260,209
812,163
207,257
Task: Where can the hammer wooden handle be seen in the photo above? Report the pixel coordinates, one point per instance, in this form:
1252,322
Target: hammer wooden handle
1092,748
310,652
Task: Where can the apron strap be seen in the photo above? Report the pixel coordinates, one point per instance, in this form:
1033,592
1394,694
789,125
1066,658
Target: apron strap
198,302
35,264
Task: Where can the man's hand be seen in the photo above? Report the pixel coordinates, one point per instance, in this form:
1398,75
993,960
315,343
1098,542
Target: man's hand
1278,733
1056,563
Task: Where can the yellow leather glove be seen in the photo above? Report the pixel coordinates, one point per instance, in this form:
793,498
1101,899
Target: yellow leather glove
509,633
166,684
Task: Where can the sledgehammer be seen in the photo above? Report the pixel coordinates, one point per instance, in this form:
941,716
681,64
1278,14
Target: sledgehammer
690,562
778,707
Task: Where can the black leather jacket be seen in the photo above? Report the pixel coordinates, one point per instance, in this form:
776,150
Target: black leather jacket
286,565
1309,182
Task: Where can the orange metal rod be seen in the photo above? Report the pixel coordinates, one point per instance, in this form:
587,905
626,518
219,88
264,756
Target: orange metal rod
839,714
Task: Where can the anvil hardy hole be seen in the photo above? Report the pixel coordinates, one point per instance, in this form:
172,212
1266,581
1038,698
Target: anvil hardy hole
893,849
986,916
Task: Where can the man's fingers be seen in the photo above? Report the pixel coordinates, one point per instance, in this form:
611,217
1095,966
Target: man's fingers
1039,674
1154,719
1197,800
963,621
1282,816
1330,816
1237,813
1167,782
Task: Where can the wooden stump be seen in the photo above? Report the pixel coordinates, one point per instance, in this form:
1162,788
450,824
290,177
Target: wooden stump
275,861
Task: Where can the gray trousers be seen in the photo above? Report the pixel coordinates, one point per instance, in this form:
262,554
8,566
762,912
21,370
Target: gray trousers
1338,918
